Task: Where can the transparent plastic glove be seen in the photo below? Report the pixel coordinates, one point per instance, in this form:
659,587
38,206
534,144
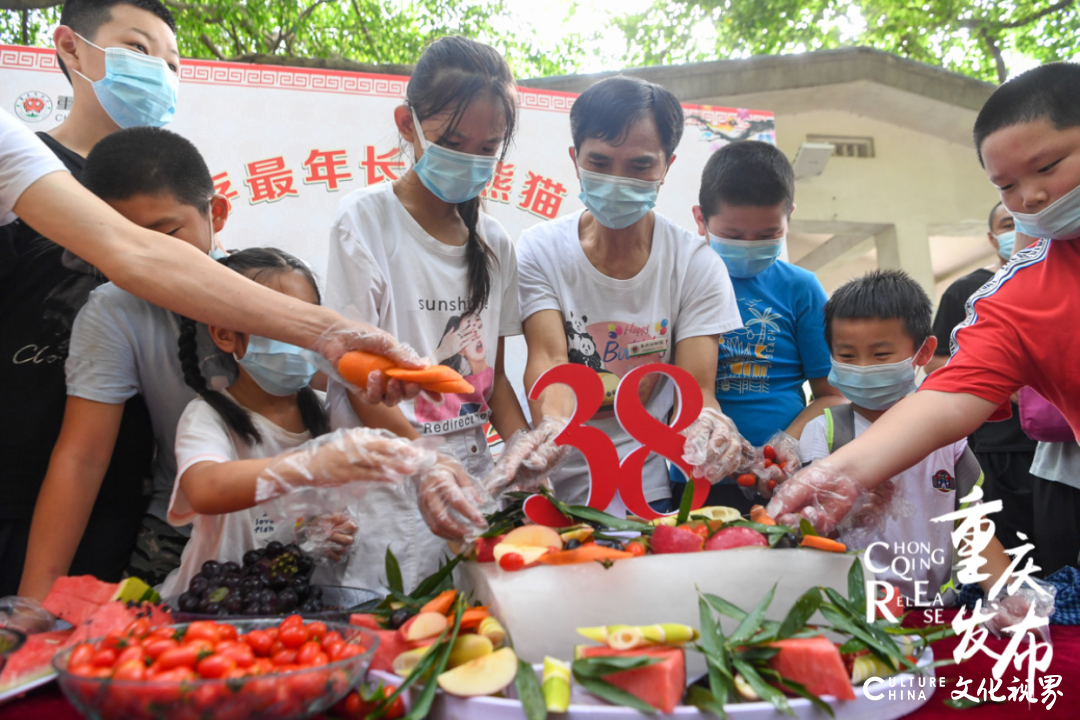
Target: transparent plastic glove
328,538
25,614
714,446
529,458
819,493
1012,609
346,456
774,466
449,502
349,335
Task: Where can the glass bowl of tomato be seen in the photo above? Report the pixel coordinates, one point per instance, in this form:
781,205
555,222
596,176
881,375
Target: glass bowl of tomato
261,668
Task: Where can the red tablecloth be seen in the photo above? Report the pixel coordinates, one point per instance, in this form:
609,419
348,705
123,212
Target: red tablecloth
48,704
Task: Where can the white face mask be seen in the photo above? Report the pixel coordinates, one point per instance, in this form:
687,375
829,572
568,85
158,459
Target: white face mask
1059,221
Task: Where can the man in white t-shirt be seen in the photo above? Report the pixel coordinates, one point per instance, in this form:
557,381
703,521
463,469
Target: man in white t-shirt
617,286
23,161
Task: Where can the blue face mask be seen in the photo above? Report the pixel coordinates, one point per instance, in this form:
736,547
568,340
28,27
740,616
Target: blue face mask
137,90
453,177
1006,242
746,258
278,368
1060,221
617,202
875,387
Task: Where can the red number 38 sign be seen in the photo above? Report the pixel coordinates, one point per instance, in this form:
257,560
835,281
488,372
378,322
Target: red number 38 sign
608,474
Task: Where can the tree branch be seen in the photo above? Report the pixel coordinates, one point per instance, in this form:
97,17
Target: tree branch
205,39
1038,15
995,52
28,4
375,54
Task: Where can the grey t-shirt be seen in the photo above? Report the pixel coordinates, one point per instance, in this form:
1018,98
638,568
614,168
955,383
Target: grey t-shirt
1059,462
122,346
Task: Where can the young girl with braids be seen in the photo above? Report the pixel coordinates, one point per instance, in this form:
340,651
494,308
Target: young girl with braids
418,258
237,446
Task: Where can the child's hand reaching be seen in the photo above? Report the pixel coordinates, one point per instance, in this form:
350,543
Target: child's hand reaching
448,500
714,446
327,538
345,456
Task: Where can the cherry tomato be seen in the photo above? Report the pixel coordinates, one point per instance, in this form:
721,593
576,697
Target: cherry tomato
104,658
130,670
260,641
241,654
134,652
746,480
333,650
184,656
202,629
155,646
636,549
315,630
512,562
285,657
291,621
307,652
137,628
768,463
215,666
227,632
83,669
354,707
396,709
163,633
292,636
702,530
272,632
202,647
768,452
115,641
772,484
350,651
83,654
331,637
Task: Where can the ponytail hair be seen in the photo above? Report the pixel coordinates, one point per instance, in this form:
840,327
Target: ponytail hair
451,73
255,264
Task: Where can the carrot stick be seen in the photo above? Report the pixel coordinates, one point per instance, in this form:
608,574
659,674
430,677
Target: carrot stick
471,618
440,603
586,553
821,543
758,515
355,366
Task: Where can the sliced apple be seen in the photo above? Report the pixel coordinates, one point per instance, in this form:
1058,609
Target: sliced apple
533,536
405,662
530,554
485,675
422,626
467,648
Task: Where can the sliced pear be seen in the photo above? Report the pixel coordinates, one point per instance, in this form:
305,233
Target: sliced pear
534,536
485,675
467,648
405,662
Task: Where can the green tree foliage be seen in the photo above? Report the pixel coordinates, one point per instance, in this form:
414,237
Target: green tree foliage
384,32
974,37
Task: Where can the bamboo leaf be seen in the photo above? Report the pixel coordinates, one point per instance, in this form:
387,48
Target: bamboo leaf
800,690
597,516
755,653
860,619
853,645
687,500
806,528
393,572
752,622
599,667
529,692
764,690
803,609
712,642
886,652
426,697
856,585
433,583
704,701
606,691
723,607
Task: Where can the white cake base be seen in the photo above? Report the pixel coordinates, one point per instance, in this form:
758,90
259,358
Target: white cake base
542,607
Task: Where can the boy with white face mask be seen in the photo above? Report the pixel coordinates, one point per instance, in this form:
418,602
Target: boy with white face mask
878,330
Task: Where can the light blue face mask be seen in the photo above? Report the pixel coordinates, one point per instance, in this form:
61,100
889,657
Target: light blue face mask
1006,242
137,90
1060,221
278,368
617,202
453,177
875,387
746,258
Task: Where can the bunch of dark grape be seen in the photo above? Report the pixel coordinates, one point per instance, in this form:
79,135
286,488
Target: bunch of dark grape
275,580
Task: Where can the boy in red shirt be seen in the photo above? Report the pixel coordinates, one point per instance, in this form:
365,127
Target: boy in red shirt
1020,328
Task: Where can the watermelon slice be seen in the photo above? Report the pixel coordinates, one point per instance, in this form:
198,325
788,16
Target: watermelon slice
390,646
115,616
365,620
77,598
33,660
814,663
661,685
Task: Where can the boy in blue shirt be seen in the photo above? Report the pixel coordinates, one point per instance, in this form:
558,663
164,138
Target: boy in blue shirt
746,199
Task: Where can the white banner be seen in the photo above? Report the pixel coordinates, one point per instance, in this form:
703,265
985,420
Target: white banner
286,144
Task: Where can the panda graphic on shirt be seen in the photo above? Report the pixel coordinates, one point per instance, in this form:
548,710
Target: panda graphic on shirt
580,346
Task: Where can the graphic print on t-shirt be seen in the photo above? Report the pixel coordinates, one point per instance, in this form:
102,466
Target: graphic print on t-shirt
746,354
614,348
461,348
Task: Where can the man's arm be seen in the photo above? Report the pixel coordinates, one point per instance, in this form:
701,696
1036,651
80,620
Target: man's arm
699,356
506,415
545,336
72,482
825,396
174,275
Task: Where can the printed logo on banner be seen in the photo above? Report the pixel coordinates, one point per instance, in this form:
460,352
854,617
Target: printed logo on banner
33,106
